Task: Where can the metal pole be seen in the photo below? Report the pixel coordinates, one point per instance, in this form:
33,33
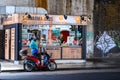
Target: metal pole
61,52
84,42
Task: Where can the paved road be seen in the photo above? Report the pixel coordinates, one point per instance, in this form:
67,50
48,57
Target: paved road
98,74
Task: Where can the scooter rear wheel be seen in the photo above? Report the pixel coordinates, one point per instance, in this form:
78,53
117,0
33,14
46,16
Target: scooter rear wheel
52,66
28,66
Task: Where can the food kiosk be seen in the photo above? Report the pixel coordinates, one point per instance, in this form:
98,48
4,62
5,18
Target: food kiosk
19,28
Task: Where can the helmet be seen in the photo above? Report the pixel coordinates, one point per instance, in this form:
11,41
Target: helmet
23,52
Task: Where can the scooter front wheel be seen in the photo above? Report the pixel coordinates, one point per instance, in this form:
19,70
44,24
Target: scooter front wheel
52,66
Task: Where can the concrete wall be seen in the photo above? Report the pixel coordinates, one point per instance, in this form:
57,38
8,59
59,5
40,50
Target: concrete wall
4,3
57,6
90,28
70,7
78,7
17,3
21,10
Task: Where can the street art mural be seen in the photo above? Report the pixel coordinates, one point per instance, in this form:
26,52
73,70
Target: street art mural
107,42
89,43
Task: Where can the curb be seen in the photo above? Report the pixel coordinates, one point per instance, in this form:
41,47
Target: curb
61,69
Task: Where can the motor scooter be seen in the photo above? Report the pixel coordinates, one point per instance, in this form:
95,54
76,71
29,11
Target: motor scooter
32,63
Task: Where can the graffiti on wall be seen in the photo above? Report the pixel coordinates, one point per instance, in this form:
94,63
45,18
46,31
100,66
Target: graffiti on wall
89,43
107,42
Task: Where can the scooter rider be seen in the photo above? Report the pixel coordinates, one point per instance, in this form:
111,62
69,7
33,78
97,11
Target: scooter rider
34,47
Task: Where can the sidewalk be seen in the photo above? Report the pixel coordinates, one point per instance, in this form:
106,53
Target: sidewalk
10,66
